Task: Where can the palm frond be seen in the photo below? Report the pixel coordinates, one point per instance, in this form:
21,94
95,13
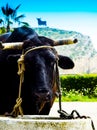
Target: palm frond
3,10
10,11
10,22
17,7
7,10
25,24
19,17
1,21
15,11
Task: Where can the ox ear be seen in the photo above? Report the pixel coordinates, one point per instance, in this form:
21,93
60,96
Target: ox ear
65,62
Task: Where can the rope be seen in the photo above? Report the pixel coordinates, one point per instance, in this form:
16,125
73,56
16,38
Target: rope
39,47
17,108
58,85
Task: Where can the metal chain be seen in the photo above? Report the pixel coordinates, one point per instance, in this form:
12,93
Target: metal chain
64,114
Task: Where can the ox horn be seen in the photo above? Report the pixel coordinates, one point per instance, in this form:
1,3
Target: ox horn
12,45
65,42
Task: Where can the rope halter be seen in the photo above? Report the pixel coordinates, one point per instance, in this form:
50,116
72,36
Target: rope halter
17,109
21,68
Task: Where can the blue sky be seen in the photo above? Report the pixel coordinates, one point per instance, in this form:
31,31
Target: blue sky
54,5
75,15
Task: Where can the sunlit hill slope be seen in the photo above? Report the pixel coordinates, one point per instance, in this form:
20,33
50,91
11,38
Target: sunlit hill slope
83,53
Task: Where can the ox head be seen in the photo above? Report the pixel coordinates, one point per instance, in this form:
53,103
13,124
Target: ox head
41,70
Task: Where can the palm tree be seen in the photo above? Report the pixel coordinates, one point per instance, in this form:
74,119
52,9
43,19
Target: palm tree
11,15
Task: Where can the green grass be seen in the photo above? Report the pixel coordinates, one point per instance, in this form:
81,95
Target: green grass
76,96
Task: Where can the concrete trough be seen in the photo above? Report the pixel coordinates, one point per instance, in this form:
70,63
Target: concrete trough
43,123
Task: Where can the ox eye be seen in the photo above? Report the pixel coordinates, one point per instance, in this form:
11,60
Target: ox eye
50,59
51,62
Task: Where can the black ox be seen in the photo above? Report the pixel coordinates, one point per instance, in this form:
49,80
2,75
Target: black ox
40,60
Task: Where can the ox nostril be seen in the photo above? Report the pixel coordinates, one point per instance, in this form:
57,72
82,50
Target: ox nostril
42,91
48,96
42,96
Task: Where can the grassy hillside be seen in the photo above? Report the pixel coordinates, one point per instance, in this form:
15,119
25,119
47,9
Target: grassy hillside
83,53
84,46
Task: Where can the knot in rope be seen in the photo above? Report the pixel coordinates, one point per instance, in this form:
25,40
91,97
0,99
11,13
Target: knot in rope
17,108
21,66
18,102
